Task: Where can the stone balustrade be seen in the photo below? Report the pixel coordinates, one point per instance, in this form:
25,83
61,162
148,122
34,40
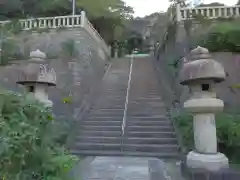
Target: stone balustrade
184,13
49,22
94,33
72,21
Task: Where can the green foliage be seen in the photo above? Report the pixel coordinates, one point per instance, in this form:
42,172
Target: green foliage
34,8
28,147
107,16
185,125
9,51
106,8
68,100
228,133
69,48
8,45
225,36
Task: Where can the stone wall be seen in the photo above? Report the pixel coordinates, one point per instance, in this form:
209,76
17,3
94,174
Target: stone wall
228,91
77,77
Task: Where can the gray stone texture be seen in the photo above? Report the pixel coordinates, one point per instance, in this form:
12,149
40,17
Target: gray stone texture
77,76
173,55
126,168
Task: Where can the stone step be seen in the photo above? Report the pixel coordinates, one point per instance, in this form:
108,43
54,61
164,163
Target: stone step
98,146
101,133
101,128
127,147
112,102
155,128
106,106
144,114
99,139
149,140
151,147
149,98
148,123
103,123
141,107
149,117
150,134
147,102
162,155
108,109
106,113
106,118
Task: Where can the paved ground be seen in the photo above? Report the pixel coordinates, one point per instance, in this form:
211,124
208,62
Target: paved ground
127,168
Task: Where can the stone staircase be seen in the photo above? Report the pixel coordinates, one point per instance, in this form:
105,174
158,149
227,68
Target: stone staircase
101,131
148,131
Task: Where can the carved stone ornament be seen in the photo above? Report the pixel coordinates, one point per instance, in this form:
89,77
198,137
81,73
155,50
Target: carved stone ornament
36,71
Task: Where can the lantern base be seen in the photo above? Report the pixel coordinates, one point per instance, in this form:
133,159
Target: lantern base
210,162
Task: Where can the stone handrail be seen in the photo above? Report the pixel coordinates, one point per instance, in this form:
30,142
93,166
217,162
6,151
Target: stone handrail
48,22
71,21
209,12
94,33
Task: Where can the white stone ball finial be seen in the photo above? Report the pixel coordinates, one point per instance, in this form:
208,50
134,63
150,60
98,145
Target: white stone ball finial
37,55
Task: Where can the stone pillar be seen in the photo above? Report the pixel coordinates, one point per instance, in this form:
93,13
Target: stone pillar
178,12
83,18
37,76
116,53
201,74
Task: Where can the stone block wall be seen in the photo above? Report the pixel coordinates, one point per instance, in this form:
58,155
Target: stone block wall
77,77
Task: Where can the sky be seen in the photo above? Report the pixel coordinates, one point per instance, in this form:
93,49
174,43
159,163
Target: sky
146,7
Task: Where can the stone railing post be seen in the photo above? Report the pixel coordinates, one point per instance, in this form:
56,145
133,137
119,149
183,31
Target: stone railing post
178,12
37,76
83,18
201,74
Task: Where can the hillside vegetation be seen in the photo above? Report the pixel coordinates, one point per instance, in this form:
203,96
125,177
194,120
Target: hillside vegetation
224,36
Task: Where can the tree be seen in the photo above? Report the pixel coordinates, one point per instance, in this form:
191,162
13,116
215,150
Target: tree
107,16
105,8
211,4
33,8
10,9
111,23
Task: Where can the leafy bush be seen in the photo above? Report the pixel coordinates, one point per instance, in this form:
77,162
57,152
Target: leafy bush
228,133
28,148
223,37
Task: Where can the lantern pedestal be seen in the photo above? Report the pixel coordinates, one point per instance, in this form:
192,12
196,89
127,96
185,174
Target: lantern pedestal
212,162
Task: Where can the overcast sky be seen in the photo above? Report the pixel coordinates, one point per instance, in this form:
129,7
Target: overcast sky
146,7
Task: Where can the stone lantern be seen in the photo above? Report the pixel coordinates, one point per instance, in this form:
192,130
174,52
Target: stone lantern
37,76
201,74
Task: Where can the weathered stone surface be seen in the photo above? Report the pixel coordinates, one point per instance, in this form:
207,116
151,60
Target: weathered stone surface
77,76
126,168
36,71
201,66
